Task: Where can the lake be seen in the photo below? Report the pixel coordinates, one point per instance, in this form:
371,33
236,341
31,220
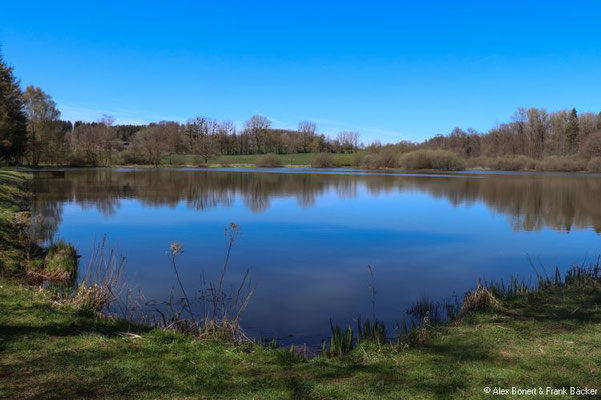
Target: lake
308,236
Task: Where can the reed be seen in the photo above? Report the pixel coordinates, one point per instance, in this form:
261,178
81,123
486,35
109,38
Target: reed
341,341
215,312
102,283
371,332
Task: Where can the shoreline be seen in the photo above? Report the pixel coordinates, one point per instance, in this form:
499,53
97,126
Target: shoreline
80,354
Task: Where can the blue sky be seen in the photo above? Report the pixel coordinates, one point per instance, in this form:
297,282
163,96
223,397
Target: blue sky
390,70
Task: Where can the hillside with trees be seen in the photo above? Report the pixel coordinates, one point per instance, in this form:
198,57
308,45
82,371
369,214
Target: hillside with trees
33,133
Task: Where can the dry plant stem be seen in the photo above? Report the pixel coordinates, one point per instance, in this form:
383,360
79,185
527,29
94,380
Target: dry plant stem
179,281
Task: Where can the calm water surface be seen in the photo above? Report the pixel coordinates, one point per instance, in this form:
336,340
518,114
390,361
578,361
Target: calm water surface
307,236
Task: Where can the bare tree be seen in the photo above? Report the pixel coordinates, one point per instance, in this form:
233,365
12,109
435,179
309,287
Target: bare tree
307,133
84,139
226,132
201,133
108,135
348,140
257,127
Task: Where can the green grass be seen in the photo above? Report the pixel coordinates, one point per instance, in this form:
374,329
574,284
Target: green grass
12,201
56,352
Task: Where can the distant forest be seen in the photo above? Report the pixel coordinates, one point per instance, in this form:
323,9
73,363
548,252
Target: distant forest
32,132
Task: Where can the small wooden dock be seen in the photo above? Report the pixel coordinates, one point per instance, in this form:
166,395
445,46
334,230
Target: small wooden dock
45,173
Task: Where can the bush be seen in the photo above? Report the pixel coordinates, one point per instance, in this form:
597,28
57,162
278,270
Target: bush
322,160
127,157
594,165
561,163
519,163
384,159
60,264
76,159
344,160
356,159
268,161
372,161
432,159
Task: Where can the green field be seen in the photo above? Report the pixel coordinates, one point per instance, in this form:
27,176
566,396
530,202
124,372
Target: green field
290,160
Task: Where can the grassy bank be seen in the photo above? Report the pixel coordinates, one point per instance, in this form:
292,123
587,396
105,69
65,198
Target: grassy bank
54,349
56,352
13,219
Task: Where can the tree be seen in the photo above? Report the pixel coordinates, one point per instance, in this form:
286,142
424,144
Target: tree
348,141
257,127
13,121
307,133
151,143
42,124
84,141
572,130
226,136
202,136
108,136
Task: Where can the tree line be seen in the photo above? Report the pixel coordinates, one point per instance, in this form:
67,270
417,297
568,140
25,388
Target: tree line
32,132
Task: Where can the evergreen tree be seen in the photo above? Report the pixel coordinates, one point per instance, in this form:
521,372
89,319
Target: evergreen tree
13,122
572,130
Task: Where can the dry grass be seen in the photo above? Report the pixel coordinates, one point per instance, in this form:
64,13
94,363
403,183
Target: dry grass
506,163
102,282
561,164
594,165
480,299
216,312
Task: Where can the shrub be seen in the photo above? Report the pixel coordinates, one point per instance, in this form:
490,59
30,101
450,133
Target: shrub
322,160
432,159
76,159
372,161
268,161
384,159
479,162
60,264
127,157
519,163
594,165
561,163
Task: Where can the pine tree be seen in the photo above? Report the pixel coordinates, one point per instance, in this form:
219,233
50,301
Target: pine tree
13,122
572,130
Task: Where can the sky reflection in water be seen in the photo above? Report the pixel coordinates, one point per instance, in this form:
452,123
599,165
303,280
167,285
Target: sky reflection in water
307,238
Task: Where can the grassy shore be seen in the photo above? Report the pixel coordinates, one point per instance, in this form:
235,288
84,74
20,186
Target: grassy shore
250,160
54,350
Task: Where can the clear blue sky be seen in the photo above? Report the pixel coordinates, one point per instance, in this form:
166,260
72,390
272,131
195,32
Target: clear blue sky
390,70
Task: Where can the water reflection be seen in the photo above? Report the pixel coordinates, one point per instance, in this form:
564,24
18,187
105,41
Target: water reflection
530,202
307,238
